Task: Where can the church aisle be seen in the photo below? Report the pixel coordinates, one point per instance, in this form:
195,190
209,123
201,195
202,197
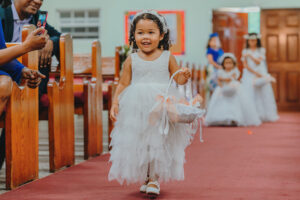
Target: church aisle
233,163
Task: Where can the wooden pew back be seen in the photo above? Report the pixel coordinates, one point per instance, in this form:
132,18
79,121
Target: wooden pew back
61,110
22,127
93,106
112,88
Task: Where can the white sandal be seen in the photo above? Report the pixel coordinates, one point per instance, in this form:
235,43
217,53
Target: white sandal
143,188
153,190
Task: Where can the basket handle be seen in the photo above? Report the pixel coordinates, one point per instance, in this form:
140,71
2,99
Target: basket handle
171,79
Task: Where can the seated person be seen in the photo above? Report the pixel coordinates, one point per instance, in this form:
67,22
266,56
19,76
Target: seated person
12,70
23,12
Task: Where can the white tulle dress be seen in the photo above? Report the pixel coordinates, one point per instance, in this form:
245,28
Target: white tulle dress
230,105
137,144
259,89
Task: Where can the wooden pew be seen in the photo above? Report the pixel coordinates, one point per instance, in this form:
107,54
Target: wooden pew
87,81
93,106
83,72
22,127
61,110
198,79
202,84
194,80
111,90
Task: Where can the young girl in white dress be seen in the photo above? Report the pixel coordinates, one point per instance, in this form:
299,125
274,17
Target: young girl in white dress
256,79
229,104
140,153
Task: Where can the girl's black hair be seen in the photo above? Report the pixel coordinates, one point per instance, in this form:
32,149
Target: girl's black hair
164,44
208,46
258,45
5,3
226,57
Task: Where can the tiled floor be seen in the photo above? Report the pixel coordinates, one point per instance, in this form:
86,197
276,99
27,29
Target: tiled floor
44,147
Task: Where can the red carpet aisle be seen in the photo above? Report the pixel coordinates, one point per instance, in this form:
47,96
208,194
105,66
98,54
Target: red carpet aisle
234,163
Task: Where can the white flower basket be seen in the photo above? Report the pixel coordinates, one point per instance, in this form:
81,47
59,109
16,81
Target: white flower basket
171,110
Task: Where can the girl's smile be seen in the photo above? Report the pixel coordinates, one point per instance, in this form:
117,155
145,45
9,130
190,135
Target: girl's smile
146,44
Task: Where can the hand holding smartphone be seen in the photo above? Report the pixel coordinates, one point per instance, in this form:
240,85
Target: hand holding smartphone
42,20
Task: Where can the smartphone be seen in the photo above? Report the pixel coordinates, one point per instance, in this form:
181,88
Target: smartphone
42,20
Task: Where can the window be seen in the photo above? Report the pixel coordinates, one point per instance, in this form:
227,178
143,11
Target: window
80,23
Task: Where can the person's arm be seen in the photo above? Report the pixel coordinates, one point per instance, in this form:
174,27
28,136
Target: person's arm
261,58
245,64
256,60
51,48
33,42
182,77
212,62
219,82
125,80
236,74
245,54
224,79
54,37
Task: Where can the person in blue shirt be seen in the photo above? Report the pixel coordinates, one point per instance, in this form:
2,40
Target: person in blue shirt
213,53
12,70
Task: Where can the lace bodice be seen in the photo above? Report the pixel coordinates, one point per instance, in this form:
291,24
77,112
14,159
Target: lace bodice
156,71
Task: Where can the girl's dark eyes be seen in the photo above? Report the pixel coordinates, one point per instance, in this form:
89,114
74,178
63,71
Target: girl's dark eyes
140,33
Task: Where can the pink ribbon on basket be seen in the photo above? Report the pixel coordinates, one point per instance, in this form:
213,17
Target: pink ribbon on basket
164,125
166,112
166,104
160,112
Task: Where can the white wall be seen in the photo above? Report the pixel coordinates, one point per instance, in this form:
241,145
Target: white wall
198,19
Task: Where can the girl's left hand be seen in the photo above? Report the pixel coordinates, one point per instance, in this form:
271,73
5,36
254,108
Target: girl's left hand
186,73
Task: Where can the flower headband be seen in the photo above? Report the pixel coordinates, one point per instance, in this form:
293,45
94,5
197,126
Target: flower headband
252,37
153,12
226,55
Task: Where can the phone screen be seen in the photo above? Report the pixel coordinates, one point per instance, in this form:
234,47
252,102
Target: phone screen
42,19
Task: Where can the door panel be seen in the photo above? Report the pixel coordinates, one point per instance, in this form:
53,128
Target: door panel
280,35
231,28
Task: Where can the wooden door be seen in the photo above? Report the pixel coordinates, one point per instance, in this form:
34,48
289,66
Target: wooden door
231,28
280,36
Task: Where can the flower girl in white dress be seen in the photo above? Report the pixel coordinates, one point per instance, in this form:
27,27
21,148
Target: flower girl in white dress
229,104
256,79
140,153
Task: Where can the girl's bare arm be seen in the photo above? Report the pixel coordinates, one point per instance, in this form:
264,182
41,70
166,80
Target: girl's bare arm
256,60
182,77
124,80
220,82
211,61
245,64
224,79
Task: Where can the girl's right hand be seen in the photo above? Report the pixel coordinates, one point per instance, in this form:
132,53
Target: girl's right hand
219,66
36,40
114,111
186,73
258,75
228,80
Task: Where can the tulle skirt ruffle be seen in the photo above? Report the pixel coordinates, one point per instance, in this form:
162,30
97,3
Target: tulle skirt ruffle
262,95
136,142
235,109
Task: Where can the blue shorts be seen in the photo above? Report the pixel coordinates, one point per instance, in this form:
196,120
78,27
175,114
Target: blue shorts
12,69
